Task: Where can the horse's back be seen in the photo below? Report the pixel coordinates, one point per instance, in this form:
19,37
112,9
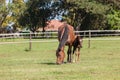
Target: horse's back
60,32
71,34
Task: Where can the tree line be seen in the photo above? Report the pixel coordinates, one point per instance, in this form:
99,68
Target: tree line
88,14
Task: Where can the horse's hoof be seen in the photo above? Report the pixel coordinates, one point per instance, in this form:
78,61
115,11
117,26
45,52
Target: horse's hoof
73,61
69,61
58,63
65,62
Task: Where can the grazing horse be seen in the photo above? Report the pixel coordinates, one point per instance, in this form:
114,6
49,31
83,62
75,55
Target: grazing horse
77,44
66,36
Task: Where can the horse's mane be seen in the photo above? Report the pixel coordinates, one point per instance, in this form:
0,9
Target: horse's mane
64,37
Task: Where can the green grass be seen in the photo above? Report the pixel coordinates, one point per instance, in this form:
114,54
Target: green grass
100,62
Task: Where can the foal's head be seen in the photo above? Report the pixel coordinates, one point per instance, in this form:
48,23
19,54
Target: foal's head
79,41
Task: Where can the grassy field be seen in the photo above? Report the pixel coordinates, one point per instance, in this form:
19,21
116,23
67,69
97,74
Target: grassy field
100,62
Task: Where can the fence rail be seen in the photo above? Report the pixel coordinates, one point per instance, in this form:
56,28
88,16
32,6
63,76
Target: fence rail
87,34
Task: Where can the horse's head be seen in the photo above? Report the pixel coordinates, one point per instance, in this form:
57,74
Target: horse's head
60,56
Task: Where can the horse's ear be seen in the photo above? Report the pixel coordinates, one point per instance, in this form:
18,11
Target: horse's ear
77,28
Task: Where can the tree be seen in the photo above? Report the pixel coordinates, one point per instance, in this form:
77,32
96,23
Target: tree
115,4
18,7
86,13
10,12
113,15
91,14
3,12
38,12
114,19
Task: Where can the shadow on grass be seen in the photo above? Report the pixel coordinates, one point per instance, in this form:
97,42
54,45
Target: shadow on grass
27,50
48,63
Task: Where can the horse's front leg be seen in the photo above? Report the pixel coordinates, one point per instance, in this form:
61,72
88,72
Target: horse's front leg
73,54
69,56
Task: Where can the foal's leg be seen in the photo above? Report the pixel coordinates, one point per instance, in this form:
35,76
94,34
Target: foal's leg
78,55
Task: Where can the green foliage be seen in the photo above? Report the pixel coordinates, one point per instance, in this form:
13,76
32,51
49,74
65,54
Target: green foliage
91,6
3,12
115,4
93,14
114,19
38,12
11,12
18,7
88,14
35,14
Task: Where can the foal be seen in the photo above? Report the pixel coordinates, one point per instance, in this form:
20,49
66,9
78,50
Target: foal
77,44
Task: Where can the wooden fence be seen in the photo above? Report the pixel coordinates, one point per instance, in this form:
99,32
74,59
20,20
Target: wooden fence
30,37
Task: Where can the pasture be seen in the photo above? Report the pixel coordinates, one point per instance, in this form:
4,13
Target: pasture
100,62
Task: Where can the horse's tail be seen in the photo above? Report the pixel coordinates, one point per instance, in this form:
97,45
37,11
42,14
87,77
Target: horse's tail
64,37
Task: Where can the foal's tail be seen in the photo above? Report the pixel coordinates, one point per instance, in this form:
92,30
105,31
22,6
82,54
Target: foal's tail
64,37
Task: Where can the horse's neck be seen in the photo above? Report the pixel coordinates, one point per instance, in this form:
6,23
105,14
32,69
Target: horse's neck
63,36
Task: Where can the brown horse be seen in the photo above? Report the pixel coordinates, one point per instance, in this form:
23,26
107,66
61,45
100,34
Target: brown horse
66,36
77,45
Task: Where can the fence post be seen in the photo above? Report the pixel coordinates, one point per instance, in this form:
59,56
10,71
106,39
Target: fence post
30,43
84,34
89,38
